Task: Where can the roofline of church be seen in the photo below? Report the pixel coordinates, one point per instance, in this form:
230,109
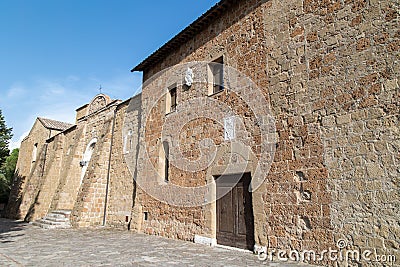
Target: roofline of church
194,28
82,107
62,132
74,126
42,121
129,99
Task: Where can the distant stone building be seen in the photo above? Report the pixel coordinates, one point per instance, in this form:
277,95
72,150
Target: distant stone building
78,168
300,99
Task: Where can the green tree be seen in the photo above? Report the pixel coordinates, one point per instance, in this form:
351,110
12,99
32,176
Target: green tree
7,174
5,136
6,160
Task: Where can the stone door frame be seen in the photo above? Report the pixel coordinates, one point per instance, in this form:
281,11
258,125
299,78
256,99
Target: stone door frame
220,168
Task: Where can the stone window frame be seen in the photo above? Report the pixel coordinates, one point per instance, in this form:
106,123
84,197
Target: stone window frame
171,99
34,155
34,152
163,160
220,59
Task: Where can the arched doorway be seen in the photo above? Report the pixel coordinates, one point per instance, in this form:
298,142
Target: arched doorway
87,156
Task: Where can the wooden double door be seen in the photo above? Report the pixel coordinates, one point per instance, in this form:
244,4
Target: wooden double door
235,219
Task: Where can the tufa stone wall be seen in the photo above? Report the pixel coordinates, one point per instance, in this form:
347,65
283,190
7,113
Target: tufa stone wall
333,69
89,206
122,187
69,184
28,166
330,73
49,179
59,181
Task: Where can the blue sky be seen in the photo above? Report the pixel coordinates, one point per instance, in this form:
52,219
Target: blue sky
54,54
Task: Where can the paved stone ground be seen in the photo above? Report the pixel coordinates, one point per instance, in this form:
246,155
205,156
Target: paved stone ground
23,244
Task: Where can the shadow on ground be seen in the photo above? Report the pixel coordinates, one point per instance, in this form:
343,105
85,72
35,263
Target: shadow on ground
11,229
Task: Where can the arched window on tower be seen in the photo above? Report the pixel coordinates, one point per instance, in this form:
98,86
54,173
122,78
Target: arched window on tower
87,156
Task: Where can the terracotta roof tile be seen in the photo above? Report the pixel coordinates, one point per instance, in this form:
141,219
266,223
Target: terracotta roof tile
55,125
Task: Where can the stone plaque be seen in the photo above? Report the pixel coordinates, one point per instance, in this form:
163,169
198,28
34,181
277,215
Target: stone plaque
229,128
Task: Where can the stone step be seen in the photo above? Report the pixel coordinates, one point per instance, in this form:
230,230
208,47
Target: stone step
45,221
50,225
44,226
54,216
54,219
65,213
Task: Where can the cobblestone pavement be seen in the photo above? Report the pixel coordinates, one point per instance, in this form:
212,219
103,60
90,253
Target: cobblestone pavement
23,244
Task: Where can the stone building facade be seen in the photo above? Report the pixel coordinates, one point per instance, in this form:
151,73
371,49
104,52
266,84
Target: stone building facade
298,98
30,162
78,168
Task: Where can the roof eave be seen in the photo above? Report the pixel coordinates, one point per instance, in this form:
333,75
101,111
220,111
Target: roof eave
185,35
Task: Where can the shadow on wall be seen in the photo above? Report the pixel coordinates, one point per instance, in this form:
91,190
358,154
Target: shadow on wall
12,210
135,174
31,210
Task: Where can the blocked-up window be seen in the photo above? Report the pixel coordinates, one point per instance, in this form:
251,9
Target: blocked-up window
128,142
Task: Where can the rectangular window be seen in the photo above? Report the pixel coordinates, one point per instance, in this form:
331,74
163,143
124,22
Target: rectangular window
34,155
216,76
172,92
166,162
34,152
170,103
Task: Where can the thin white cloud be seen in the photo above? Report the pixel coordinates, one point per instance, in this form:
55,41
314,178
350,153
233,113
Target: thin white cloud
16,144
58,99
16,91
50,89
